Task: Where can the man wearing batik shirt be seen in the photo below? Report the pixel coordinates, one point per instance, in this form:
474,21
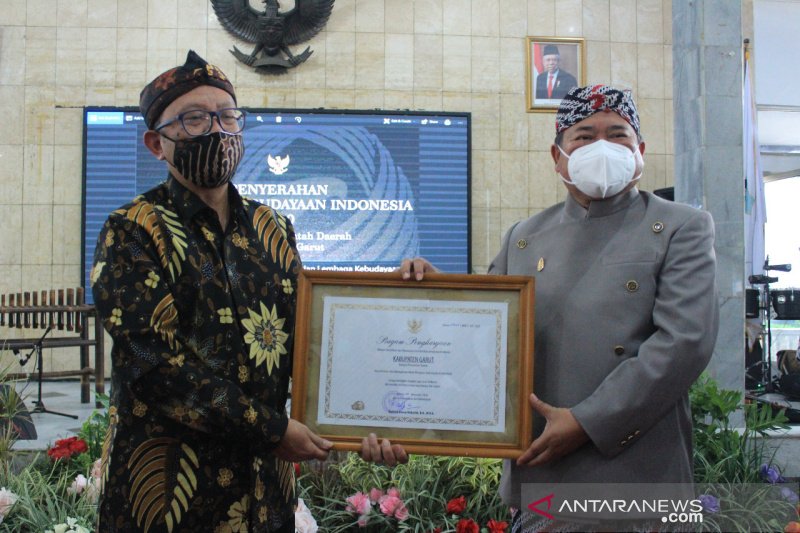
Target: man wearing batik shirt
196,286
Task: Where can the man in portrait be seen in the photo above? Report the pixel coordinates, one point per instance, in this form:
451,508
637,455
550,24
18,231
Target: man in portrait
553,83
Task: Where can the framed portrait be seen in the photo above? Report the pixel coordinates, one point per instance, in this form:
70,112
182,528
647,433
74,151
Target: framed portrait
553,66
443,366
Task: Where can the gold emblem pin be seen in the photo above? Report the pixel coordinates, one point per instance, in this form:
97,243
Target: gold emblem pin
522,243
658,227
540,265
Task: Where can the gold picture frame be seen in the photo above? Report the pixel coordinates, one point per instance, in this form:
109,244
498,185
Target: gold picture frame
444,295
570,59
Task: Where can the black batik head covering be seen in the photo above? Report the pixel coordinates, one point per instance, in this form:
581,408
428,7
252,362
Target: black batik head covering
582,102
177,81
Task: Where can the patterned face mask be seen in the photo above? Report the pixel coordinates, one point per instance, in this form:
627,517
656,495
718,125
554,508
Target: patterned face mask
209,160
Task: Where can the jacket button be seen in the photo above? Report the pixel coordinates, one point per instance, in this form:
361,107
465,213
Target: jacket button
619,349
658,227
632,285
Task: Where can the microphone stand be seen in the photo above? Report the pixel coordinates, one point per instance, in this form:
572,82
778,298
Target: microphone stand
766,280
769,385
39,404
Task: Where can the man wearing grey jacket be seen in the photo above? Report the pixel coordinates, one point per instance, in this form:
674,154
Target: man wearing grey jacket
626,313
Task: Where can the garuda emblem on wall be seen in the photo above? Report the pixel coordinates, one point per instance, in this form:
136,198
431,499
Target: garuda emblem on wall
273,31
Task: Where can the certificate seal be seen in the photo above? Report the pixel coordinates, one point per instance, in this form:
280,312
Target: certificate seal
393,402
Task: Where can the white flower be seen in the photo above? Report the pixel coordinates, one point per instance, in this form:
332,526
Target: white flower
7,501
78,485
303,521
72,525
92,492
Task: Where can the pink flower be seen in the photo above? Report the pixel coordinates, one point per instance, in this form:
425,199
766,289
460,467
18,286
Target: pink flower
359,503
90,488
401,513
362,520
393,492
389,504
375,495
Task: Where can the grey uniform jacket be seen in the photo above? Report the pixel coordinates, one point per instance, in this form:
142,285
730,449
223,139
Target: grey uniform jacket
626,319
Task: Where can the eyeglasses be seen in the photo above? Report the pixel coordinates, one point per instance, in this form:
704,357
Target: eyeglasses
199,122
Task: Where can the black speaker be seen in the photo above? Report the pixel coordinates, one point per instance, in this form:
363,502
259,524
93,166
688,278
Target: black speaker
667,193
790,386
21,423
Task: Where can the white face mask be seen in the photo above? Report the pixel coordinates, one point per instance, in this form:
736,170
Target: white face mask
601,169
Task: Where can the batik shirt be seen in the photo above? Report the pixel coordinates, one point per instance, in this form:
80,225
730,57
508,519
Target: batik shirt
203,324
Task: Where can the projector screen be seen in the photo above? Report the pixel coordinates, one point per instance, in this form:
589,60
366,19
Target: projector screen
364,189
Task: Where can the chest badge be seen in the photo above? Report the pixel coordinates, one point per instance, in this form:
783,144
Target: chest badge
540,265
522,243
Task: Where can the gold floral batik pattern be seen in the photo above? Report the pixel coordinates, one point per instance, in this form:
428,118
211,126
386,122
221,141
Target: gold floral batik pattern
265,336
202,321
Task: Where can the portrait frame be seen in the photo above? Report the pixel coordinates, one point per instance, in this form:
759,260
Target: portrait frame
516,293
572,67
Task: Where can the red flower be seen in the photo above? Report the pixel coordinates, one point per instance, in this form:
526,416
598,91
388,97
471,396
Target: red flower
457,505
297,469
467,526
66,448
497,527
792,527
58,453
78,446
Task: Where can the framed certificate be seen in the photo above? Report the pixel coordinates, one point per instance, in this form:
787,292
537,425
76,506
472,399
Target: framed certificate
443,366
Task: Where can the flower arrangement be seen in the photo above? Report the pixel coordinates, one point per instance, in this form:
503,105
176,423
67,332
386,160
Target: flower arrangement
430,494
740,488
56,491
349,494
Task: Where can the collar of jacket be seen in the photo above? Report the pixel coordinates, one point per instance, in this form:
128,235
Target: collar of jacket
599,208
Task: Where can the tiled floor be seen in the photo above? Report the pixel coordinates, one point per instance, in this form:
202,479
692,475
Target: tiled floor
60,396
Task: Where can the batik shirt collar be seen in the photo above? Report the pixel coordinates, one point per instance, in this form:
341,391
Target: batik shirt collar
188,204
